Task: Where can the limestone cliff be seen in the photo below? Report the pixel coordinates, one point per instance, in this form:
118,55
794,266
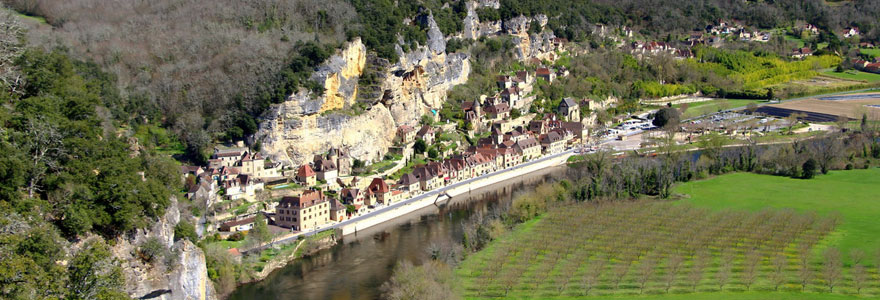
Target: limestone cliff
474,28
303,126
183,276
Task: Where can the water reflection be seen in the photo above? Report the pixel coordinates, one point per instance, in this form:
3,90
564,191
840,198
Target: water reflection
357,267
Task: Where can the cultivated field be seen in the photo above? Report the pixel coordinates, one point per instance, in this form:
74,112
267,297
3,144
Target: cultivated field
854,75
720,243
852,106
707,107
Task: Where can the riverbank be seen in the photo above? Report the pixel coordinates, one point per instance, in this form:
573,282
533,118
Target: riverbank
281,253
359,263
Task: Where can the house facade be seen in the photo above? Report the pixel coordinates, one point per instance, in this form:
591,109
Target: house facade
305,212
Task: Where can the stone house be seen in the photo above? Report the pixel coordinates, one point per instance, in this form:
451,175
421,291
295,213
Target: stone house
325,169
428,177
306,176
352,196
238,225
552,143
529,148
405,134
569,109
409,182
498,111
546,74
305,212
426,134
513,97
378,192
337,211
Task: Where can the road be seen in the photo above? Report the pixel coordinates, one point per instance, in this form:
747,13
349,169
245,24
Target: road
441,191
433,193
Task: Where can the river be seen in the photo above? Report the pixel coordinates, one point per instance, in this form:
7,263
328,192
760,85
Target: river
362,262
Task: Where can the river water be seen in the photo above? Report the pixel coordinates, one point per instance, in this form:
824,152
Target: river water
359,264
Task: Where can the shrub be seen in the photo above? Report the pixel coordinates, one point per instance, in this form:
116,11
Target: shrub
151,250
185,230
809,169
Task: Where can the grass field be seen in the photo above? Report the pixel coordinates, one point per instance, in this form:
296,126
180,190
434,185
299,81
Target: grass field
875,52
701,108
540,259
854,75
855,195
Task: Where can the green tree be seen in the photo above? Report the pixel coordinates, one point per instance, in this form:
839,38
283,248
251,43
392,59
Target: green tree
260,233
420,146
185,230
666,116
433,153
809,169
94,274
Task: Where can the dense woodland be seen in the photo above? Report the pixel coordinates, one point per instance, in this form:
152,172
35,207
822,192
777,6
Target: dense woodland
69,172
217,65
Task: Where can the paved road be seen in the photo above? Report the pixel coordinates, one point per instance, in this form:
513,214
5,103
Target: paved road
433,193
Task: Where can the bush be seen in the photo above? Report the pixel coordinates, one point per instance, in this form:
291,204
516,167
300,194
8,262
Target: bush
235,237
185,230
809,169
152,250
666,116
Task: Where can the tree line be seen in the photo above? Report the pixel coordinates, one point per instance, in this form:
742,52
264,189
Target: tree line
605,182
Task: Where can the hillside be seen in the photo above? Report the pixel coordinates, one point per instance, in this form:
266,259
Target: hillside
101,103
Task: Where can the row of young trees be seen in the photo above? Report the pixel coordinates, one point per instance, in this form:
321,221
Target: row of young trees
685,249
670,248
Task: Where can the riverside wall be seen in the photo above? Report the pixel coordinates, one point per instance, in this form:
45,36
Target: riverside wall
452,190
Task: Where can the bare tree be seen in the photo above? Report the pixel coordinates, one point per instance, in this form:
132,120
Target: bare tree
841,122
750,268
43,143
724,269
827,151
859,277
620,269
857,256
778,276
646,270
696,272
805,274
673,266
792,119
593,273
11,48
832,268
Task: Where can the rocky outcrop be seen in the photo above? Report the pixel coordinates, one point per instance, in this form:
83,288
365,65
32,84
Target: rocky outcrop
294,138
536,45
190,279
339,76
182,276
303,126
474,28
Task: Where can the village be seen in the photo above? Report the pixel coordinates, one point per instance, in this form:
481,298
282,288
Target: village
328,189
499,131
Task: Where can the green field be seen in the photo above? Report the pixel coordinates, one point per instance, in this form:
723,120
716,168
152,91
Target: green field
875,52
854,75
544,258
706,107
855,195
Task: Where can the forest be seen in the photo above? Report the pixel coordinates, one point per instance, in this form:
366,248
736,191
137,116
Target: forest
218,64
69,171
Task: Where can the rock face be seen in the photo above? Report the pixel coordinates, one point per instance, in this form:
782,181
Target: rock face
296,130
473,28
190,280
185,279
